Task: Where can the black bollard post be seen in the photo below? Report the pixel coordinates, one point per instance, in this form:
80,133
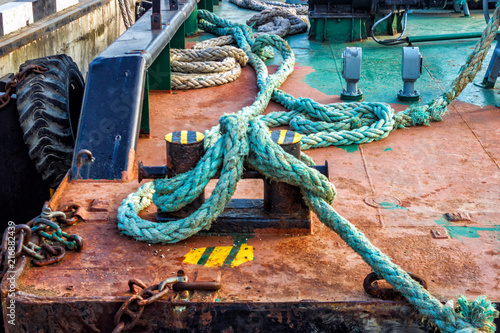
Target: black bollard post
282,198
184,151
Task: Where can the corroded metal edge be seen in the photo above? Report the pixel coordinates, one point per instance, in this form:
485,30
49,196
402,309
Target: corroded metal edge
93,314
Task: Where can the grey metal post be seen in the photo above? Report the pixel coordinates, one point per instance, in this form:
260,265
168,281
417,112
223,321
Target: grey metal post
411,69
351,72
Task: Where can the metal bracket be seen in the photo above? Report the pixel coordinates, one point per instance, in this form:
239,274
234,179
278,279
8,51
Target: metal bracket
156,16
174,4
141,7
458,217
97,211
180,278
439,233
490,78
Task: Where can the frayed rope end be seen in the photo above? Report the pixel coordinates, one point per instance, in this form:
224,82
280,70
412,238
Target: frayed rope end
480,313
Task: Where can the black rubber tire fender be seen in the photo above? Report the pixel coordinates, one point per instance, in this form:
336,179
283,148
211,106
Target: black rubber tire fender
49,107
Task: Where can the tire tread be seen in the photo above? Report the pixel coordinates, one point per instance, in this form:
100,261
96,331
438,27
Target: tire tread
43,107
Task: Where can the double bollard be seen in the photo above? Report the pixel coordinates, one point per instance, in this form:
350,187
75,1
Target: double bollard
282,207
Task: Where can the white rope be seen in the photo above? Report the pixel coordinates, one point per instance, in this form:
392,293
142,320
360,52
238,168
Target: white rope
126,14
275,18
202,67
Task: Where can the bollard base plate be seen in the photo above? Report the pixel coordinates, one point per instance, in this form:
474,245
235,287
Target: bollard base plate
351,97
247,215
408,97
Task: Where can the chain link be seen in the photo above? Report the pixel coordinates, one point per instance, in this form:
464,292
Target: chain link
17,240
10,87
61,217
134,306
71,242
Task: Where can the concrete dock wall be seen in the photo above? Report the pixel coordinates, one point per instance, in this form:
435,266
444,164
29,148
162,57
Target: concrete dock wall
82,32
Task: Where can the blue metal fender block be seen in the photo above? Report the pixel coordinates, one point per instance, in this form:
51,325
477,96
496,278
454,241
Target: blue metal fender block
113,99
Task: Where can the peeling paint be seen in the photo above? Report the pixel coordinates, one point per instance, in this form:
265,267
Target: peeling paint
349,148
179,309
391,205
464,231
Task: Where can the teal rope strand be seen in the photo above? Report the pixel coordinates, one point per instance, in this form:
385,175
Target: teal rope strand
227,153
244,136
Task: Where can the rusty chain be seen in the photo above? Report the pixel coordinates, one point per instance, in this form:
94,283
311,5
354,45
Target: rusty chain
10,87
134,306
17,240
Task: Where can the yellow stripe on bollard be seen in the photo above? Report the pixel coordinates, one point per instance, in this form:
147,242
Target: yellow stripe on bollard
184,137
282,137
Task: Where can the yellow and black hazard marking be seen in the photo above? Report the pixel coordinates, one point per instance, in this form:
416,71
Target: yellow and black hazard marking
220,256
285,137
184,137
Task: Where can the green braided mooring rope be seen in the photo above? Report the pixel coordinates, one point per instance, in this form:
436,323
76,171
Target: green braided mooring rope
244,137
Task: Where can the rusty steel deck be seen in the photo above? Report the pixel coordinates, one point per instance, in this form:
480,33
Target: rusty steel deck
289,281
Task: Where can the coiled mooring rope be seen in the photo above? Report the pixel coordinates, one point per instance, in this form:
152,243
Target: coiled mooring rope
275,18
279,21
206,67
260,5
244,137
218,41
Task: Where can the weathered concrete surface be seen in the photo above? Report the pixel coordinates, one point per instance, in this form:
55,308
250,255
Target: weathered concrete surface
81,32
18,14
14,15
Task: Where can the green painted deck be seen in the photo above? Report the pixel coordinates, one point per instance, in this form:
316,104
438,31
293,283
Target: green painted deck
381,66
